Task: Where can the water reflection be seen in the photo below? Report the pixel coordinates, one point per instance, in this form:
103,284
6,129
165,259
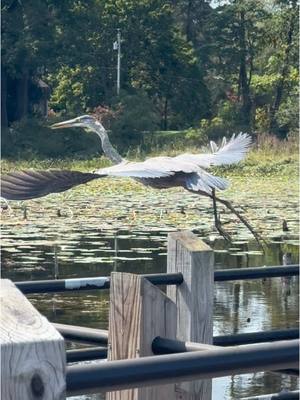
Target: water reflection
240,306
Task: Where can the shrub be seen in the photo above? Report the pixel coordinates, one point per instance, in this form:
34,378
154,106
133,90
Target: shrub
136,114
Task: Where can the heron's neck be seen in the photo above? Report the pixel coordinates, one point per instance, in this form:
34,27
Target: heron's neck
107,147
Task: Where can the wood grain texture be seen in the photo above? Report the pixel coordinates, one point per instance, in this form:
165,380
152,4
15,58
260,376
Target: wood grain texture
139,312
194,299
32,351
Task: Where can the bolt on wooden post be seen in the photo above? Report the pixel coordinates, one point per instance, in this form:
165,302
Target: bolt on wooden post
33,356
194,300
138,313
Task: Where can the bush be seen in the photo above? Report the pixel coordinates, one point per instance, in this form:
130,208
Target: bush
135,115
33,138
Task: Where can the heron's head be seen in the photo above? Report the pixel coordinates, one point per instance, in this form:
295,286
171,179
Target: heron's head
88,122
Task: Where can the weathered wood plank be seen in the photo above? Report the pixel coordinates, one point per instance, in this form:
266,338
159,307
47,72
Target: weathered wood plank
139,312
194,299
32,351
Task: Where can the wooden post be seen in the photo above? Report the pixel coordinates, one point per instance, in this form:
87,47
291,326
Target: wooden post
138,313
194,300
33,356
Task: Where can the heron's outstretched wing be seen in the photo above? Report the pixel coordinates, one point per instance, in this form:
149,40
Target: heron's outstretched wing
25,185
156,167
229,152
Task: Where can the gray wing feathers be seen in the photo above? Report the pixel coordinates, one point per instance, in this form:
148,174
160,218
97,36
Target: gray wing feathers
24,185
229,152
203,181
156,167
232,151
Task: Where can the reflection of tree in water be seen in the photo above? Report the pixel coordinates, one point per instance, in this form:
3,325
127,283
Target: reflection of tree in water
269,306
236,307
260,383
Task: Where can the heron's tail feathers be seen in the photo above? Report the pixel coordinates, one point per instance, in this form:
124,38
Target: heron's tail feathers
25,185
205,182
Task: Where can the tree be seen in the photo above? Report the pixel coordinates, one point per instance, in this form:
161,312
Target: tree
287,32
27,39
160,61
156,59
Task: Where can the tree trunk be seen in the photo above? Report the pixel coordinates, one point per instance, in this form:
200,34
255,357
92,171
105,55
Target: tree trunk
22,95
273,126
243,79
165,115
5,137
188,27
4,118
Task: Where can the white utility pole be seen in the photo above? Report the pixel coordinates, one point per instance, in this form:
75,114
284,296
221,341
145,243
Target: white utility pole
117,46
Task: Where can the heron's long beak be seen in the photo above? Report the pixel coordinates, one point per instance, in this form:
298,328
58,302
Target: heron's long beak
65,124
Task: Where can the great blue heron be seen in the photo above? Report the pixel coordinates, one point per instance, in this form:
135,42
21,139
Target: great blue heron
185,170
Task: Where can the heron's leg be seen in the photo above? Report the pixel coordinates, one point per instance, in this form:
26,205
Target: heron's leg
218,224
227,204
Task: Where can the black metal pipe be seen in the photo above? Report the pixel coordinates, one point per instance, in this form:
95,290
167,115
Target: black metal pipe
64,285
290,371
161,345
255,273
169,346
99,336
82,334
91,283
156,370
294,395
291,395
256,337
85,354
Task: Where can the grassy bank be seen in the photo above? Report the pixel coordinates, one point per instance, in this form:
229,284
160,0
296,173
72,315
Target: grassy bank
268,157
265,186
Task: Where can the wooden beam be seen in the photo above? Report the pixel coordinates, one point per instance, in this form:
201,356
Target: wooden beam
139,312
33,357
194,300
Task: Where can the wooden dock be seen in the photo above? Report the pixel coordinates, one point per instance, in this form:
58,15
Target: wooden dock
34,356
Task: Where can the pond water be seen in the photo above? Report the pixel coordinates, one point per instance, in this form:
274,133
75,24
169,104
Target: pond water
129,233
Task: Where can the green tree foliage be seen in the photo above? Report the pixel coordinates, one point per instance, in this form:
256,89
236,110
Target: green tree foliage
252,65
156,58
217,67
134,114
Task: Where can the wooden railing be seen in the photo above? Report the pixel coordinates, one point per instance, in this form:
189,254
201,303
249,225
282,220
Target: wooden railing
143,320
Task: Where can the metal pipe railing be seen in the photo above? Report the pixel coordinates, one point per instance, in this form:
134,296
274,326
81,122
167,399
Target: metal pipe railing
82,334
86,354
256,337
100,336
161,345
156,370
103,282
256,273
90,283
291,395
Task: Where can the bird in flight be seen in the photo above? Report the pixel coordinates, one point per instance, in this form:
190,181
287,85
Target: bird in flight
185,170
